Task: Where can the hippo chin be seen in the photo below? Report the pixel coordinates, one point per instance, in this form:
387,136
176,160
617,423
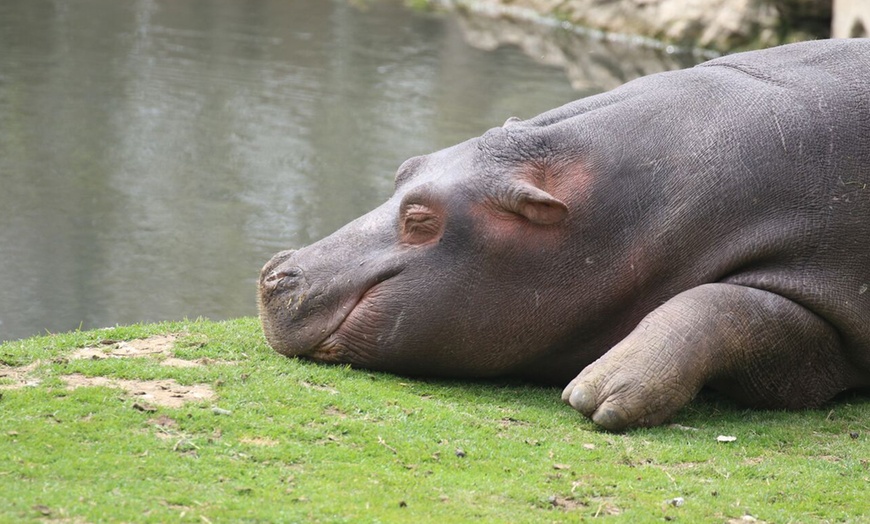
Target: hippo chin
704,227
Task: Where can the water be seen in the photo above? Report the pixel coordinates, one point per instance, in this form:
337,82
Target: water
155,153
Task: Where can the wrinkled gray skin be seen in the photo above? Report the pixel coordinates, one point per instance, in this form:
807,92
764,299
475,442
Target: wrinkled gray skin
702,227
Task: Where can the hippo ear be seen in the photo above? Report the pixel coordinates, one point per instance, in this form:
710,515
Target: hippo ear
538,206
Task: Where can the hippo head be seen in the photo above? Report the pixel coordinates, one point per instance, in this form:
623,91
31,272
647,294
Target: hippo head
466,270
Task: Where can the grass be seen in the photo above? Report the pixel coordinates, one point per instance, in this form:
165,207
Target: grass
290,441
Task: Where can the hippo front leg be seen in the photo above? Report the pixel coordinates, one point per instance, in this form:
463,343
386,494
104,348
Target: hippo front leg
754,345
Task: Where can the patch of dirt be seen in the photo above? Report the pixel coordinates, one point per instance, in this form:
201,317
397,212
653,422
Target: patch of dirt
333,411
608,509
166,393
157,347
566,503
163,421
18,377
148,393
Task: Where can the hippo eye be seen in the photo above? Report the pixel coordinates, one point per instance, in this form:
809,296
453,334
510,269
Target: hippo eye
419,224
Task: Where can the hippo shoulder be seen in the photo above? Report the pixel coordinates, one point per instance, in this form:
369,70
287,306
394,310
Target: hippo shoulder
803,63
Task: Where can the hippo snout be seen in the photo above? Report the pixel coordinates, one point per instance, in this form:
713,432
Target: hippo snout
282,277
297,317
277,269
276,260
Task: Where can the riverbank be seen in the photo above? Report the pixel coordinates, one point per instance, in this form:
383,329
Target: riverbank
712,25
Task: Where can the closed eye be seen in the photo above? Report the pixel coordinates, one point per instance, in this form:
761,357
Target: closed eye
419,224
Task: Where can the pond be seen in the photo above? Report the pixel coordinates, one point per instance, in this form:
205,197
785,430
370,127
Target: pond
155,153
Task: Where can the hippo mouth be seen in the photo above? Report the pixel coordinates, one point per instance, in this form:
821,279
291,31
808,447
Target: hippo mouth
325,322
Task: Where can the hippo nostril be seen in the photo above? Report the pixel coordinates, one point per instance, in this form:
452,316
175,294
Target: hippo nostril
293,273
276,261
283,279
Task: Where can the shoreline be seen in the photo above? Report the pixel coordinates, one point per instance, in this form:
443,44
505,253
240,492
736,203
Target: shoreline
701,28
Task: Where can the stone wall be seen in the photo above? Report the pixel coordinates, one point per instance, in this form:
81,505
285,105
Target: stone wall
851,19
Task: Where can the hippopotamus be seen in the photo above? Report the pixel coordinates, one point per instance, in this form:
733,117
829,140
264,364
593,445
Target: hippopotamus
707,227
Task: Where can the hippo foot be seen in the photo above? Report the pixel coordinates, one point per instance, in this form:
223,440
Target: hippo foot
756,346
658,368
617,396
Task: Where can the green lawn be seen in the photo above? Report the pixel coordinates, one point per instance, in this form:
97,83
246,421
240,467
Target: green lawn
289,441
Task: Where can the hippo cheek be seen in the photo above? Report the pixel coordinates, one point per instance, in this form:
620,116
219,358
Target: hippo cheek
398,328
371,333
